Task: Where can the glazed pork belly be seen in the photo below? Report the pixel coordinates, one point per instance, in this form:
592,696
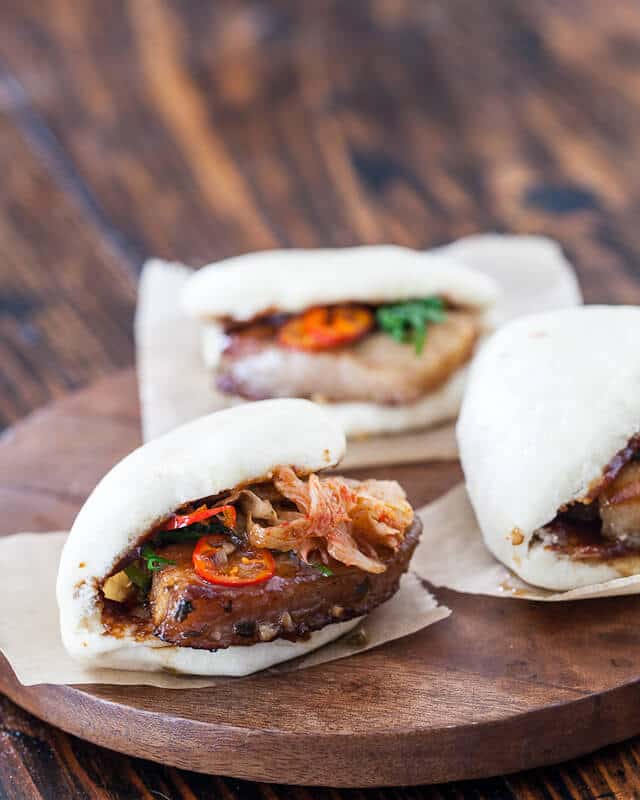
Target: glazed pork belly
375,369
298,599
278,559
605,525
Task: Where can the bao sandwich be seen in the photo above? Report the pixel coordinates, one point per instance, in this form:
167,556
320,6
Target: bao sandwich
549,438
219,549
380,335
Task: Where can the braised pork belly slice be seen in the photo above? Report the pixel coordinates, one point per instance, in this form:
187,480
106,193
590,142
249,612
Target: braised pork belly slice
605,525
298,599
375,369
275,559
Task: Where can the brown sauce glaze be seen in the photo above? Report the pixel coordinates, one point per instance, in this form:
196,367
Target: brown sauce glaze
576,531
126,620
583,541
613,468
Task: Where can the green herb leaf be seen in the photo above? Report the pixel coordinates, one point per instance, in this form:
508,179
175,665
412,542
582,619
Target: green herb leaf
154,562
193,532
323,569
138,576
408,322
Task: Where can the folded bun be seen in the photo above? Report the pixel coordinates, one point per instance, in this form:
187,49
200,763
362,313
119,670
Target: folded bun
367,419
292,280
551,399
238,446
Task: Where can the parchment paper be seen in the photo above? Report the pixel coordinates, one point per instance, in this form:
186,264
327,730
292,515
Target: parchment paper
452,554
176,387
30,635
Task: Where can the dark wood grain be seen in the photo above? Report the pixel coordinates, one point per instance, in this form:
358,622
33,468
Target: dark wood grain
196,130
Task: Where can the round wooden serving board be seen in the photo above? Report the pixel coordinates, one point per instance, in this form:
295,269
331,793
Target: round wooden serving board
499,686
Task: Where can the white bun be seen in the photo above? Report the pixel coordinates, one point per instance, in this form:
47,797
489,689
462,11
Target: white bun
214,453
551,398
292,280
155,656
547,569
370,419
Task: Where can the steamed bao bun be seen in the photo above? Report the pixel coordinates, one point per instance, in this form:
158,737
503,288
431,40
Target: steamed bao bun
551,399
291,281
201,458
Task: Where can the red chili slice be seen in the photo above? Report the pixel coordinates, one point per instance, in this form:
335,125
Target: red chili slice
326,327
183,520
237,569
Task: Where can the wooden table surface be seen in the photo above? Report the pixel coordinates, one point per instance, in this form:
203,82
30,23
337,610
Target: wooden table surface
195,130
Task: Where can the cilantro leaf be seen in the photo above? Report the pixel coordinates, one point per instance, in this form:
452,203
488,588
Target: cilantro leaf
138,576
408,322
323,569
154,562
